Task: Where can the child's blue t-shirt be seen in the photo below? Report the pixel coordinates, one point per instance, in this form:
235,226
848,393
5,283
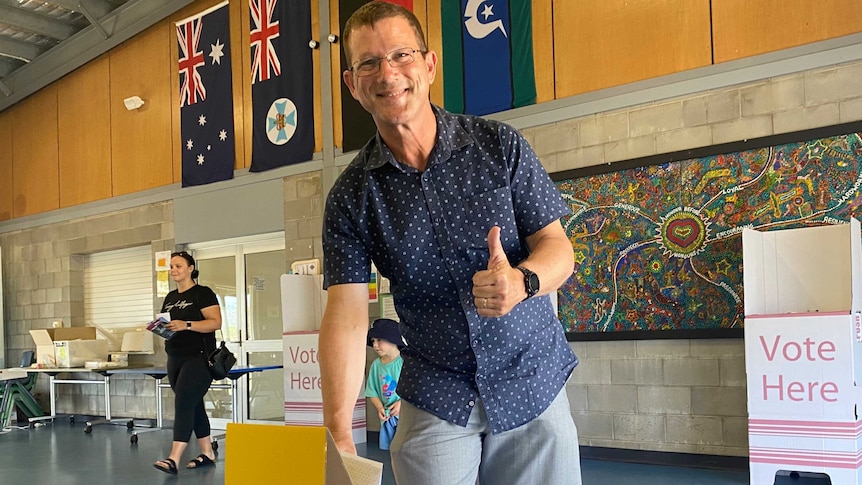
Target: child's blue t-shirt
383,381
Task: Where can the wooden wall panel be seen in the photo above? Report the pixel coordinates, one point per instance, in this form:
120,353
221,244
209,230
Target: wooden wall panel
35,172
141,149
615,42
85,141
741,29
543,49
335,77
433,28
6,165
318,80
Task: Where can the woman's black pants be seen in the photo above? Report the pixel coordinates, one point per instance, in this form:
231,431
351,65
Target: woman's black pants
190,379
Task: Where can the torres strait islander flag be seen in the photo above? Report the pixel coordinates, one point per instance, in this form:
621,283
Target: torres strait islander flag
487,55
282,83
206,107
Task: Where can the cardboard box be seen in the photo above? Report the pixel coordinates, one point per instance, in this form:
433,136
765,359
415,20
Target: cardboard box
803,351
304,454
76,346
137,341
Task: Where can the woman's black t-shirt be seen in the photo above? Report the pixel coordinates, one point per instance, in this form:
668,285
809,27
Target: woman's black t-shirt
186,306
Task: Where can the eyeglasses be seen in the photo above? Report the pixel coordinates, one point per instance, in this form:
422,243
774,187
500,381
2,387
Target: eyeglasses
397,58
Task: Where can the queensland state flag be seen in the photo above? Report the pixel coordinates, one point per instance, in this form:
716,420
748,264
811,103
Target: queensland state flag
206,107
487,55
282,83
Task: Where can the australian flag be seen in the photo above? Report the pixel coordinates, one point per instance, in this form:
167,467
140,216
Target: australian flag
206,107
282,83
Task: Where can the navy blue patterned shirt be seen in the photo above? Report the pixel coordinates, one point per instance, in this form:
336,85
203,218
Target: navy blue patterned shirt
427,232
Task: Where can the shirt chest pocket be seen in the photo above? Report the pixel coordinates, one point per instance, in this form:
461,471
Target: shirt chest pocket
483,211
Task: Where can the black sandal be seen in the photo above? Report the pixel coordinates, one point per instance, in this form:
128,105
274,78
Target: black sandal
200,462
171,468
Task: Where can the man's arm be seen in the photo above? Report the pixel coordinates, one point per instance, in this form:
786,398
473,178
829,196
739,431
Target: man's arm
499,288
551,257
342,358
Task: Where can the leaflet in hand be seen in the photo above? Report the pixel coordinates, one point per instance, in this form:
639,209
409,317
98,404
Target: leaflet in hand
158,327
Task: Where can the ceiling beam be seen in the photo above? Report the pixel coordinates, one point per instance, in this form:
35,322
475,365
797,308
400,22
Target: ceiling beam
99,8
123,23
33,22
7,65
94,21
17,49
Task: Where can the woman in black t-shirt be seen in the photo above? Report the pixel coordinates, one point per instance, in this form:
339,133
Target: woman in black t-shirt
195,316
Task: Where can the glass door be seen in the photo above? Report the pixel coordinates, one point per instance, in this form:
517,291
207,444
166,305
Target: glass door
264,398
245,275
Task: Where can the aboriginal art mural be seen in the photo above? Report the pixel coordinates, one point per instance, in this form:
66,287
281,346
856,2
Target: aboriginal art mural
659,247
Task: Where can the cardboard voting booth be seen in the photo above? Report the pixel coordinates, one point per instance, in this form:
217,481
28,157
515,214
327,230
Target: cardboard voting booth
303,301
68,346
259,453
803,351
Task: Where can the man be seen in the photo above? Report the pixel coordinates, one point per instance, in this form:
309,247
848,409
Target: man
443,204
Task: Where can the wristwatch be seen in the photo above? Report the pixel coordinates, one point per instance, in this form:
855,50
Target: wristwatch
531,282
188,324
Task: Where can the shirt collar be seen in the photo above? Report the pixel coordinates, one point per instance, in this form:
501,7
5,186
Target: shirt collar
451,136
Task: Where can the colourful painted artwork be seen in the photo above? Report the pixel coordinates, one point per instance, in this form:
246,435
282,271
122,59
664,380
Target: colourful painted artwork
659,248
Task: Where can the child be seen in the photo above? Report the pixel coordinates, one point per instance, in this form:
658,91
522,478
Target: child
385,338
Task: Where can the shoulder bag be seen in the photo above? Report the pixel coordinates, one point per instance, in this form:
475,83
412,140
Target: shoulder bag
221,361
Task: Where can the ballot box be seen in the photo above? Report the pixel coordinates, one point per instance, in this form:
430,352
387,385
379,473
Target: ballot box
803,352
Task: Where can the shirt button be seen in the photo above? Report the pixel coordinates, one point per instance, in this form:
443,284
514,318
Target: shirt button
471,403
475,342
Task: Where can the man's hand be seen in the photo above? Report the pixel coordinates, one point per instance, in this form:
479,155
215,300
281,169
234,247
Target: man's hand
345,443
499,288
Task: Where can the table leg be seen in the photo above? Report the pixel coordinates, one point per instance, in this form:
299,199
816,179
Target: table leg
234,401
107,383
159,408
52,395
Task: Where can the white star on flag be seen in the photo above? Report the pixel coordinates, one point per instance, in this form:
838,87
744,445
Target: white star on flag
202,120
201,159
217,51
189,144
222,135
487,12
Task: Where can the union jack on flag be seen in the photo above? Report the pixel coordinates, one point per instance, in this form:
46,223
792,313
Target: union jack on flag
192,88
265,63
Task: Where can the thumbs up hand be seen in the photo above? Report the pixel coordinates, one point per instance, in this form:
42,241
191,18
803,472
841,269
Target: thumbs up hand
497,289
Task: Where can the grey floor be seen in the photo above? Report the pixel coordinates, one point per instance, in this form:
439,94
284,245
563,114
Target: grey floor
63,454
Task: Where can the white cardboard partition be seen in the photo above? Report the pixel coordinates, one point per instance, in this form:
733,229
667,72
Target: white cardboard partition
803,270
303,301
803,351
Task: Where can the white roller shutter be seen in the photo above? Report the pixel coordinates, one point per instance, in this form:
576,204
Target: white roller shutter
118,287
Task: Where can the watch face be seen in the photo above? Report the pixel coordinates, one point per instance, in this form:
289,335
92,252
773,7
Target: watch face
534,283
531,282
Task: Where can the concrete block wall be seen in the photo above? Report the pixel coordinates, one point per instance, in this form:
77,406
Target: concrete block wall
801,101
303,217
43,282
682,395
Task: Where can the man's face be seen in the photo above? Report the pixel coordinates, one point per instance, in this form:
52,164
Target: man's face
393,95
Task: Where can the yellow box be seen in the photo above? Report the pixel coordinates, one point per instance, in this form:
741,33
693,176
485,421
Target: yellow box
259,453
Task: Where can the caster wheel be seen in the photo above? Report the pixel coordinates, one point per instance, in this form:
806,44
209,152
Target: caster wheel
130,424
215,445
88,429
133,439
